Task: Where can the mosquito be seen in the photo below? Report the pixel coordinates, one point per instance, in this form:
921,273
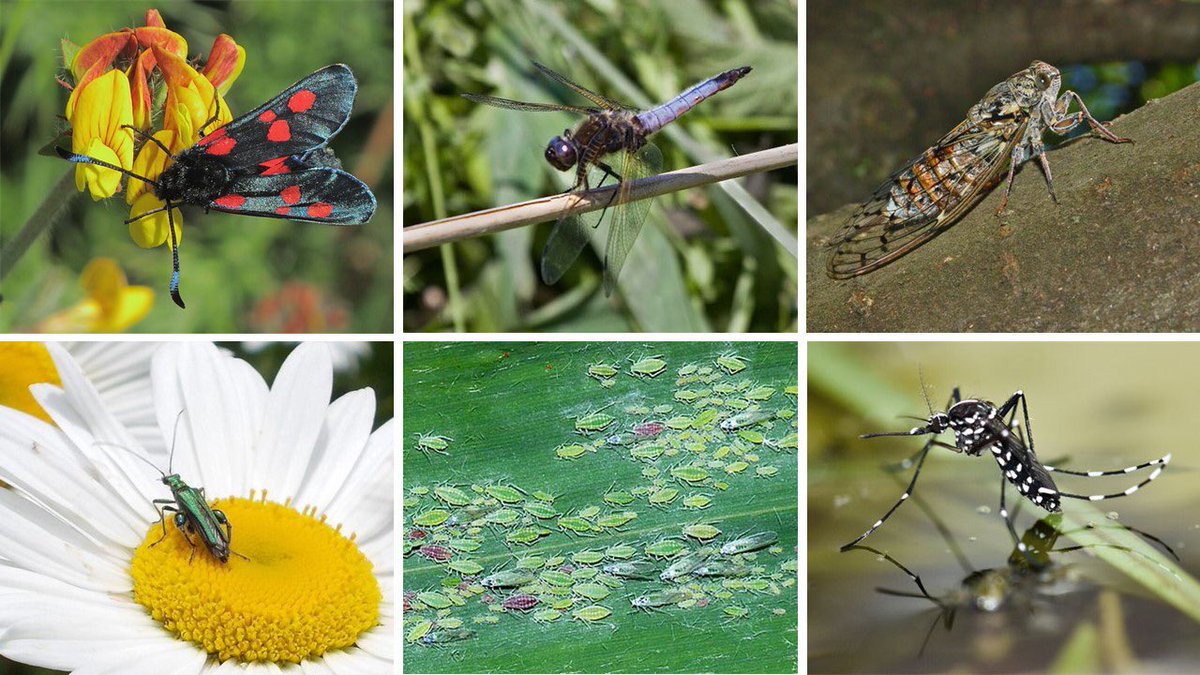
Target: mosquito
980,426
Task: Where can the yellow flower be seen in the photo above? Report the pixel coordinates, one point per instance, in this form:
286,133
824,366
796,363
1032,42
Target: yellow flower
25,363
98,112
111,305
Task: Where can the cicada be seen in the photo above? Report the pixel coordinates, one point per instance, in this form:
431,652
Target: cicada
937,188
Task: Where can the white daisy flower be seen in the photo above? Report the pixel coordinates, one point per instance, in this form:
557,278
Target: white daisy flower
306,487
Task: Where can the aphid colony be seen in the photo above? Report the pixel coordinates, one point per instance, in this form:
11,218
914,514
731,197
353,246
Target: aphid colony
713,437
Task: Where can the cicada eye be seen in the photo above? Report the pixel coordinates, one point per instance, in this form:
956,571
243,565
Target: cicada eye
1044,80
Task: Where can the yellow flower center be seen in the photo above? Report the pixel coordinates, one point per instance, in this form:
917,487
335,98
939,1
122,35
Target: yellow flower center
25,363
306,589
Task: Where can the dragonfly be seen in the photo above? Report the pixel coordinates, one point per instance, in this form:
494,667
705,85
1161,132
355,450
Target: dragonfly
613,135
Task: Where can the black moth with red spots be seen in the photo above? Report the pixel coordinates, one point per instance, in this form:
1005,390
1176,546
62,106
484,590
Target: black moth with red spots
270,162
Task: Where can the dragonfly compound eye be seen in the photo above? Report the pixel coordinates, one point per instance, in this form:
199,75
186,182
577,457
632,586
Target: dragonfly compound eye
560,154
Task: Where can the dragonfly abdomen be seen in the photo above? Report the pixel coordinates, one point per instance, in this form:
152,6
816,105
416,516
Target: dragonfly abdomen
658,117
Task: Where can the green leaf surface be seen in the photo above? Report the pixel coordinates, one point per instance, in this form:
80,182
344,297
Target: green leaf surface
507,407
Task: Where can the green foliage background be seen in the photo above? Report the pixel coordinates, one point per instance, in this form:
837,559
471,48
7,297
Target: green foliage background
701,263
228,262
507,406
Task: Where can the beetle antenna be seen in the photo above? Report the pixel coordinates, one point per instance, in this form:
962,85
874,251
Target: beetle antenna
132,452
174,435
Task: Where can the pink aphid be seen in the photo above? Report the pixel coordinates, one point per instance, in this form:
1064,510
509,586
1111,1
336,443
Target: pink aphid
413,535
566,569
436,553
520,602
487,598
702,602
648,429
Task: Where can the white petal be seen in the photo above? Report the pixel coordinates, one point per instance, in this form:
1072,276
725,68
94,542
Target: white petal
295,413
36,540
340,447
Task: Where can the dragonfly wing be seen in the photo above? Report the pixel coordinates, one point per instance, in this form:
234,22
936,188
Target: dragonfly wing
523,105
628,217
566,241
590,95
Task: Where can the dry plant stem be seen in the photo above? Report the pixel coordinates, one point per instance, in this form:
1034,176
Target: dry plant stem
433,233
40,221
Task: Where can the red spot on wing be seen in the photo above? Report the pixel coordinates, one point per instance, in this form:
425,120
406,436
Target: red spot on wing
279,131
283,210
291,194
268,116
230,201
218,143
320,210
301,101
211,137
272,167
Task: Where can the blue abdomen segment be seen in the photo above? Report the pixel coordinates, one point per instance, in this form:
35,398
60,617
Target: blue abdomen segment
656,118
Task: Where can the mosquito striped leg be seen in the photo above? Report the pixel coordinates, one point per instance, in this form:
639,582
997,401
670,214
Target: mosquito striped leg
920,462
911,575
1009,523
1160,464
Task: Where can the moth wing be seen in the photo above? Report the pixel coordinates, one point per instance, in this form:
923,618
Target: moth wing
320,195
301,118
924,198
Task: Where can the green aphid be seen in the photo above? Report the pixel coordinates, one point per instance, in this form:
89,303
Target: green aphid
584,573
450,623
779,611
721,485
651,367
636,569
556,578
543,496
705,419
748,543
487,618
589,512
591,591
724,389
594,421
474,530
789,566
562,603
734,584
505,493
455,598
651,472
616,520
731,363
736,467
686,396
663,497
618,498
588,557
766,471
540,510
591,613
660,598
687,369
428,443
697,502
719,568
468,567
736,612
451,495
506,579
547,615
702,532
789,442
750,457
440,537
792,389
662,409
620,552
575,524
573,451
637,410
751,436
431,518
690,474
532,562
775,550
665,549
503,517
526,535
411,503
419,630
610,580
737,404
679,422
434,600
757,585
607,384
641,491
420,490
602,371
685,565
760,393
722,595
554,561
646,453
